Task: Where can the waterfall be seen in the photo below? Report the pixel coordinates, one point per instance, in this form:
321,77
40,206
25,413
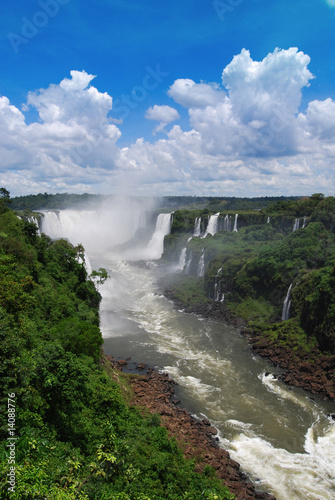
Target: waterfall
33,220
268,220
197,227
217,287
201,265
227,223
156,244
235,223
182,259
86,262
296,224
51,225
212,227
286,306
304,222
112,229
188,259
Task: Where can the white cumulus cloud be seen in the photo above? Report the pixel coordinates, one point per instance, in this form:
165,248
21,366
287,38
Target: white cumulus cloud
163,114
246,135
194,95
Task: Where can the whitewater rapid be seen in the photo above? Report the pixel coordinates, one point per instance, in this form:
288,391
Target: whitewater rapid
283,439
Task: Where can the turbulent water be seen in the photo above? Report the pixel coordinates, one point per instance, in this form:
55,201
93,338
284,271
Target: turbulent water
283,439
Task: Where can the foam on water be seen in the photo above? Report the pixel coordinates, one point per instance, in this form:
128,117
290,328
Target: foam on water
284,392
286,475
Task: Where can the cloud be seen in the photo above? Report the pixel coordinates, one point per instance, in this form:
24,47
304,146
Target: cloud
246,136
248,133
163,114
195,95
72,135
72,100
331,3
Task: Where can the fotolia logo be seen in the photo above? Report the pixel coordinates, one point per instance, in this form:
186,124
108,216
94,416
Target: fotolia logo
31,27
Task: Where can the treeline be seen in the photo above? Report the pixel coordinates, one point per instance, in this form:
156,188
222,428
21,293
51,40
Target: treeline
54,201
216,204
288,247
66,429
65,200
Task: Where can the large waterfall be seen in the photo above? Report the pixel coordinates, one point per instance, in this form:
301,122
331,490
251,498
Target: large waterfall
156,244
116,229
213,225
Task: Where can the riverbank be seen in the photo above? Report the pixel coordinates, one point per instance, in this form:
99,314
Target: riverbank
313,371
154,392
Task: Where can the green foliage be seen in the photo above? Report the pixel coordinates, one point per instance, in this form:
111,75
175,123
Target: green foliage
4,199
254,267
189,291
183,220
77,439
100,276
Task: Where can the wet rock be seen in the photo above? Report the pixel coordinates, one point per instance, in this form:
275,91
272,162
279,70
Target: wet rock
141,366
122,362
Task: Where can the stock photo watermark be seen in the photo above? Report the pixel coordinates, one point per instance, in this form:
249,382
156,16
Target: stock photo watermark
222,8
31,27
11,445
152,79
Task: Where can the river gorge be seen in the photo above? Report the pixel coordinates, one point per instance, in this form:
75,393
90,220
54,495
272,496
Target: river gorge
283,438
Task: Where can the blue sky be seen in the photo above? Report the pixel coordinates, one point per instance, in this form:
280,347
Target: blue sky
231,97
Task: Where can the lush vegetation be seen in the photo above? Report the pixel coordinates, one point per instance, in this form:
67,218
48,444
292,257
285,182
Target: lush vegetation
248,272
66,429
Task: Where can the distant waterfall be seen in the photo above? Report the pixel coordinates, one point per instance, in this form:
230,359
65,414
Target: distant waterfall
33,220
156,244
227,223
108,227
218,295
182,259
188,259
235,223
197,227
287,305
112,229
304,222
268,220
51,225
213,225
56,226
296,224
201,265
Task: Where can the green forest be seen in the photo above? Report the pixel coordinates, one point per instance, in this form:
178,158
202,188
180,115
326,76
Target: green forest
67,428
248,272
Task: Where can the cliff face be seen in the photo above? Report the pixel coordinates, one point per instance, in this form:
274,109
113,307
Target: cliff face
276,271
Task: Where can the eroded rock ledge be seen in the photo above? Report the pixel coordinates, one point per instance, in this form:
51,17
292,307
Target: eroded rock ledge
154,391
313,372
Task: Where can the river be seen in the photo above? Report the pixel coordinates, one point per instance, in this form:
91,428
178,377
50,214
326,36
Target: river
283,438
